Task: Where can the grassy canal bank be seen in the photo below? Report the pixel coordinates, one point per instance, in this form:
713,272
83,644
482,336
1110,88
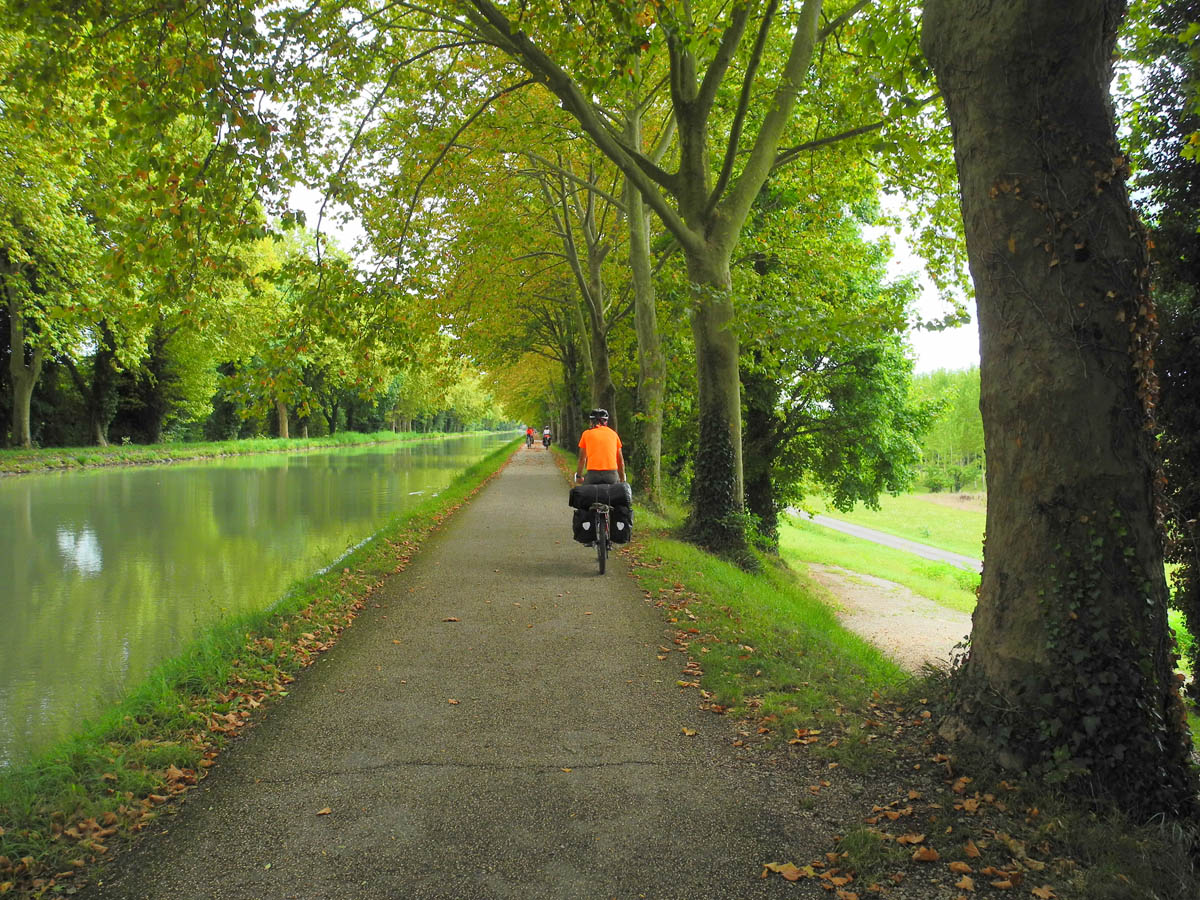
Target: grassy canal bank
64,810
19,461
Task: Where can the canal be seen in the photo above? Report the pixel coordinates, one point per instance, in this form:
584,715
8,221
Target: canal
106,572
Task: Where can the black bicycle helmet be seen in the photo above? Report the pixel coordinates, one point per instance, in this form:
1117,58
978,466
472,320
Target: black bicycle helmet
599,415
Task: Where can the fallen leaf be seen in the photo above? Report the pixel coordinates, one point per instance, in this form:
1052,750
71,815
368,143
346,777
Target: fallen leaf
910,839
452,702
1044,892
960,868
324,812
566,769
926,854
1003,884
971,850
450,619
789,871
966,883
689,731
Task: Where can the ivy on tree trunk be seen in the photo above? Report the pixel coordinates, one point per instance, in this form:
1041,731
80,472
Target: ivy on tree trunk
1070,669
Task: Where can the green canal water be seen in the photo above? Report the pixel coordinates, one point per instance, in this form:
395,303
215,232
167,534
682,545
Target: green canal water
106,572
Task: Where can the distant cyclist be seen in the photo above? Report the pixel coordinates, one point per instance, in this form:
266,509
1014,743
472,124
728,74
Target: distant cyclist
600,452
546,436
528,435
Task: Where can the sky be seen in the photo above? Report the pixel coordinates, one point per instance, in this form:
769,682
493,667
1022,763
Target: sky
952,348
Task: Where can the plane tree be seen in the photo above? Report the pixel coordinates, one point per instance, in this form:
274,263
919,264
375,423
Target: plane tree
734,74
1070,666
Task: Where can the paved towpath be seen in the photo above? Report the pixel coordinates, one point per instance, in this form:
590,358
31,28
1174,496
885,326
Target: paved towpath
554,669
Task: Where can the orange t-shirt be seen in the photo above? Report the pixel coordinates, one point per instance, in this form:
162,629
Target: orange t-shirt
601,445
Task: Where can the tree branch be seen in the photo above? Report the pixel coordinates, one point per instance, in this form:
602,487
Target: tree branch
739,118
786,156
841,20
633,164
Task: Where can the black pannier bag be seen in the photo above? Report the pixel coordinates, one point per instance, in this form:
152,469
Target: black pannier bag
584,495
582,525
620,524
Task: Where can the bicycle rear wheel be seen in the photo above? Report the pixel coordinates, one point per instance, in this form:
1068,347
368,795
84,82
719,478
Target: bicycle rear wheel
602,540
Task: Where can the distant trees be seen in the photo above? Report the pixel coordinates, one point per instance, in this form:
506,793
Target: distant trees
952,447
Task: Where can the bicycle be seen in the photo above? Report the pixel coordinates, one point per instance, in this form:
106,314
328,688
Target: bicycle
600,518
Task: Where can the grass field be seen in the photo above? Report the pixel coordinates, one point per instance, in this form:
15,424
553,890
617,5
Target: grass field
950,586
918,517
934,519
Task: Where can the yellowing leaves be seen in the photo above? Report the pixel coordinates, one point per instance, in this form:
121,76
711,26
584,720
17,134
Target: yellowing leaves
926,854
789,871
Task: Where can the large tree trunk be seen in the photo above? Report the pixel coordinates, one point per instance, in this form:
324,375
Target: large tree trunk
1070,636
24,374
604,395
646,465
281,415
761,395
717,489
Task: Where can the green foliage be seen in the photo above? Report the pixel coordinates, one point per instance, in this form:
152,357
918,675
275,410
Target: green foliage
825,378
952,447
1163,118
17,461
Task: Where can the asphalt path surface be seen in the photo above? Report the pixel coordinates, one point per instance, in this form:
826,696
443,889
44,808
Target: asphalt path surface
890,540
562,771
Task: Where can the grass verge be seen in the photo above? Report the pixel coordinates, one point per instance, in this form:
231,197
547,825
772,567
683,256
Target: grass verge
947,585
762,645
19,461
915,818
59,812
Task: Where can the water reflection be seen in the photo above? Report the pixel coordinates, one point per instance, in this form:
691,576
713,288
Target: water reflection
80,550
108,571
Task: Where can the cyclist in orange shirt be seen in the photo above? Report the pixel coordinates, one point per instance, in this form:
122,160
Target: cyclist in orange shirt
600,452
